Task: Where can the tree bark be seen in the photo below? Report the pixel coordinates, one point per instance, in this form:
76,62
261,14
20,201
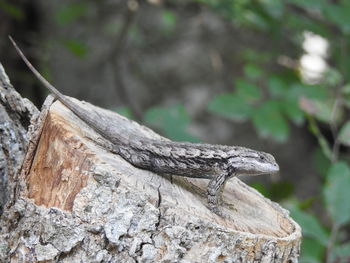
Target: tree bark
16,114
78,202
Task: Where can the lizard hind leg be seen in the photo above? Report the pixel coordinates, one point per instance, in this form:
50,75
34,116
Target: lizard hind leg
214,192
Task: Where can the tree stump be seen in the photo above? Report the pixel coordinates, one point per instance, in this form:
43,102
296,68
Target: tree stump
78,202
16,114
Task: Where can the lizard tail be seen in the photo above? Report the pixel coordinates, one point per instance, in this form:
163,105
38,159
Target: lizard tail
90,118
47,84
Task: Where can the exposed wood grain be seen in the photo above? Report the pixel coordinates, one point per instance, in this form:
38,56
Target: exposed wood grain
96,201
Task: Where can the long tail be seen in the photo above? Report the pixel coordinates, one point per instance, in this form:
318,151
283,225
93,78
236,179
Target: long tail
89,117
47,84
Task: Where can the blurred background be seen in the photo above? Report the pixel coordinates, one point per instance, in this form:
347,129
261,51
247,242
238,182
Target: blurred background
270,75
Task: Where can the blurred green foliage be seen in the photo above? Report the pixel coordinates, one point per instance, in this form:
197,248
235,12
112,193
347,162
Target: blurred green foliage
327,242
125,111
77,48
172,121
11,9
67,14
272,100
168,21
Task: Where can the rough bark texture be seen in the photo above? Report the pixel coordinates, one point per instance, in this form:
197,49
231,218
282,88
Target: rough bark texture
16,114
80,203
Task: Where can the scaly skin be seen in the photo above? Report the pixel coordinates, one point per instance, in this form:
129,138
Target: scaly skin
196,160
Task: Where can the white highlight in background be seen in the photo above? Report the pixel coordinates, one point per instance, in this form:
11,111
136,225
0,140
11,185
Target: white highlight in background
313,62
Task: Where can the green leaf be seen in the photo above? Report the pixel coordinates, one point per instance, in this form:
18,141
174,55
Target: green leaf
274,8
346,95
308,203
67,14
11,9
337,194
254,56
341,253
320,138
344,134
321,162
230,106
346,89
310,4
292,110
269,122
280,190
125,111
310,225
169,20
309,91
311,251
77,48
337,169
323,110
332,77
173,121
277,87
252,71
261,189
247,91
297,21
251,18
339,14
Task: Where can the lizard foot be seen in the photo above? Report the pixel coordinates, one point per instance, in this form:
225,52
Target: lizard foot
216,210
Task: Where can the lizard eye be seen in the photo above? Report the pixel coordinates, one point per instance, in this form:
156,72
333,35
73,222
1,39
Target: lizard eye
262,158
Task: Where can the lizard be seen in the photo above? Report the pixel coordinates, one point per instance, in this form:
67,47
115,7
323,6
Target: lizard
218,163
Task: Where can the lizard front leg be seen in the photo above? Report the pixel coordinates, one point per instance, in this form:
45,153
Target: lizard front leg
214,191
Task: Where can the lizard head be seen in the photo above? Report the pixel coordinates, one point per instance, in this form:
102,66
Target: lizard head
250,162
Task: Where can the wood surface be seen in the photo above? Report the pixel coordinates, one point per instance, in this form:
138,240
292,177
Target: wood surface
81,203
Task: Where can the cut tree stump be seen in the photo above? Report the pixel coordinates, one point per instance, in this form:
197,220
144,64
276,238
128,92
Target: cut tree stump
78,202
16,114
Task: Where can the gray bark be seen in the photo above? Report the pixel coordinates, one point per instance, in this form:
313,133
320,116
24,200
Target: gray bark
16,114
77,202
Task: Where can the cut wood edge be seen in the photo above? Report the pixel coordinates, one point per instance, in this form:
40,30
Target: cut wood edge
66,169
